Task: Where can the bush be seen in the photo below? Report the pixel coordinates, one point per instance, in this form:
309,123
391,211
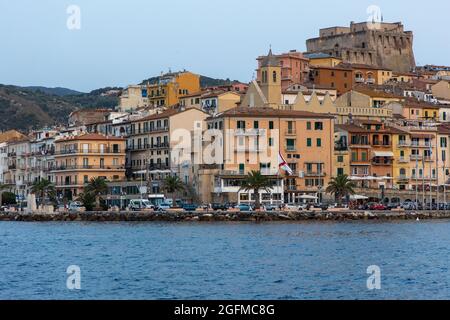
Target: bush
8,198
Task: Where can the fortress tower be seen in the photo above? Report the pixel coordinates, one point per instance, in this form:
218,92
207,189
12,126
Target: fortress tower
388,46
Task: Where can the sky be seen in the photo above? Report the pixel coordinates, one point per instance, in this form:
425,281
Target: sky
121,42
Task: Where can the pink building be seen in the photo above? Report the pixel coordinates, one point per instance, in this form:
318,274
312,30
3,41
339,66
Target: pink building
294,68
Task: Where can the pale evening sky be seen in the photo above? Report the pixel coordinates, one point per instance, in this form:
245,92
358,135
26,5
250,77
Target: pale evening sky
121,42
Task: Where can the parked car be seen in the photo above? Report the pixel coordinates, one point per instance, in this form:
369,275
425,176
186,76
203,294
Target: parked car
76,206
138,204
189,207
244,207
409,205
378,207
272,207
219,206
393,205
163,206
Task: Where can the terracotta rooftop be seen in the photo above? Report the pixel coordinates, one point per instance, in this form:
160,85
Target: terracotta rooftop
270,112
377,94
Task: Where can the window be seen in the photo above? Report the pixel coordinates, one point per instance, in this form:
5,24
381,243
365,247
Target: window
290,144
241,168
319,142
308,125
270,142
443,142
354,156
318,126
309,142
340,171
340,159
274,75
364,156
241,124
255,124
271,125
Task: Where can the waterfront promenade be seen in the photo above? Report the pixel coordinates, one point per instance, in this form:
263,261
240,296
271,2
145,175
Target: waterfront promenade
212,216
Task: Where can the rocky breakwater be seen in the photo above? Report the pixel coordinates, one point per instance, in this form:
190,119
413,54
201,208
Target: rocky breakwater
217,216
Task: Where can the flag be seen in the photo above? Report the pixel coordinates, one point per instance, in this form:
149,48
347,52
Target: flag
282,164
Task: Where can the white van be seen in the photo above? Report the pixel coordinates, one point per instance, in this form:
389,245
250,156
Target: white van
138,204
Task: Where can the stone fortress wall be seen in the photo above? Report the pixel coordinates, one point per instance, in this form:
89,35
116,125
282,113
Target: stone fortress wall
388,46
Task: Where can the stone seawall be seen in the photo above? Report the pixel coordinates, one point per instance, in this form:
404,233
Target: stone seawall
224,216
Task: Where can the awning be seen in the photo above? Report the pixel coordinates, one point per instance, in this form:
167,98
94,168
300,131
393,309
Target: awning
383,154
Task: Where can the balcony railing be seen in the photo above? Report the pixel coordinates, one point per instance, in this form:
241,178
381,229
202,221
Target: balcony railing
89,167
291,132
88,151
315,174
402,178
402,144
415,157
403,160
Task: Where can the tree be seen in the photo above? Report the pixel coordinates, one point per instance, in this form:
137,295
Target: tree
43,189
172,184
256,181
88,200
96,187
8,198
2,188
341,187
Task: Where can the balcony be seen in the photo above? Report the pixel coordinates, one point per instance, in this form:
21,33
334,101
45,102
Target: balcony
370,81
89,151
428,159
402,178
416,157
382,144
416,144
403,144
359,80
315,174
291,148
403,160
249,132
291,132
88,167
382,163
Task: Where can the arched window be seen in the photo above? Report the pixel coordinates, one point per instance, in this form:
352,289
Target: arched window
274,76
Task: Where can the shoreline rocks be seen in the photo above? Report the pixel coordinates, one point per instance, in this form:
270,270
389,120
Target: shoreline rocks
225,216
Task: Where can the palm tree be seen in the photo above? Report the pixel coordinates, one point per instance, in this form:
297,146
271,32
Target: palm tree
97,186
43,189
172,184
256,181
341,187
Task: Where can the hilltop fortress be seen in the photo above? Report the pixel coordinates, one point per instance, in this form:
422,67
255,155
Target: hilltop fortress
387,46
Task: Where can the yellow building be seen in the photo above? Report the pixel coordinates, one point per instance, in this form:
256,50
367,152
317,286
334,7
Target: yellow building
212,101
167,91
80,158
322,60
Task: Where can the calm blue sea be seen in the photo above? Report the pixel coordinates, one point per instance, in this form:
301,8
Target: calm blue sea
225,260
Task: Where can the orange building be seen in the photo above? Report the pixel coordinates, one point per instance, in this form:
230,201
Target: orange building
80,158
304,140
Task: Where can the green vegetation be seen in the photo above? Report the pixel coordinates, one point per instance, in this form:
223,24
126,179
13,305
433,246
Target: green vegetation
256,181
341,187
173,184
8,198
44,190
30,108
96,188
